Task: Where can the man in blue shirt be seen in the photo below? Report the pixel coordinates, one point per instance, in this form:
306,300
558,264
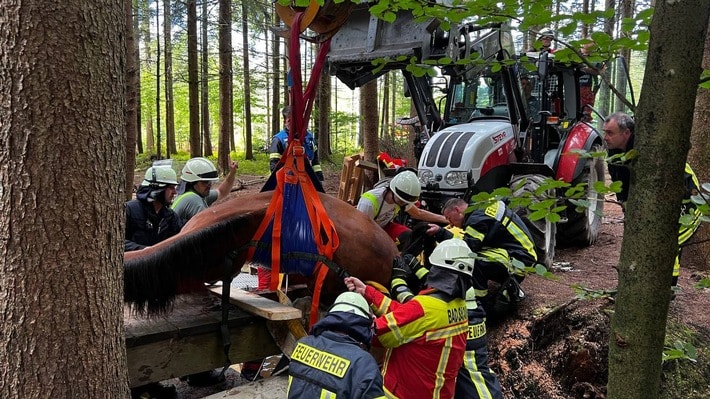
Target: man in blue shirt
280,141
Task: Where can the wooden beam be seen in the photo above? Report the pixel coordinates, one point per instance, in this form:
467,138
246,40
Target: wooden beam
188,341
258,305
271,387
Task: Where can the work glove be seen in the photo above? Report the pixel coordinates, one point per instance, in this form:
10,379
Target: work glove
398,284
416,267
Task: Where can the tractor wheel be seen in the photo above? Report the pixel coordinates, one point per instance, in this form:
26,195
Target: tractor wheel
542,230
582,228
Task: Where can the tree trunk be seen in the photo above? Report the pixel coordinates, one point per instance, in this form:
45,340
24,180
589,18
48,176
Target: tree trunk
193,77
626,11
276,77
157,83
585,27
697,254
248,151
369,123
138,20
604,104
384,132
324,89
225,81
131,97
664,121
150,141
169,101
62,157
205,106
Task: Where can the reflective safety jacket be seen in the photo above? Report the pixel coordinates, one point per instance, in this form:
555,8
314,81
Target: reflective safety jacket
279,143
689,214
372,203
425,340
476,380
333,365
497,226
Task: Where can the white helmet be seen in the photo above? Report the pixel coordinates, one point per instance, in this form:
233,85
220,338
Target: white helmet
545,32
199,169
159,176
405,186
453,254
351,302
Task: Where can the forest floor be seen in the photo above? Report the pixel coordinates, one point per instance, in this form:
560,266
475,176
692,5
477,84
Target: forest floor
555,345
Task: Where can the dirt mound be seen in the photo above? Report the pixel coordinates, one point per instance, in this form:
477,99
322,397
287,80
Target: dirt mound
559,354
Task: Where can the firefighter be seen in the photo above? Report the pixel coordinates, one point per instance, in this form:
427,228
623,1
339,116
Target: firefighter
280,141
383,204
149,218
333,361
619,138
198,175
498,236
425,337
475,379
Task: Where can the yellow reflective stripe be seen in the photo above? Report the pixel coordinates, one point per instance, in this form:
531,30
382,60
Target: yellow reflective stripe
421,272
326,394
448,332
474,233
498,255
469,361
476,330
685,232
375,204
274,155
181,197
321,360
520,236
384,305
441,368
388,394
676,267
317,168
394,329
480,293
689,171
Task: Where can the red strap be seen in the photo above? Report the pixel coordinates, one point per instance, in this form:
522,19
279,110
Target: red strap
294,172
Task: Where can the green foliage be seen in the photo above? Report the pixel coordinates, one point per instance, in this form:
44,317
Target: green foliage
680,350
704,283
585,293
540,270
705,79
259,166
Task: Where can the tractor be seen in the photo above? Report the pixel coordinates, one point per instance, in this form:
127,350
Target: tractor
491,117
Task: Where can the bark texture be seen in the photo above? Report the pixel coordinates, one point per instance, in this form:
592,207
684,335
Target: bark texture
664,119
62,158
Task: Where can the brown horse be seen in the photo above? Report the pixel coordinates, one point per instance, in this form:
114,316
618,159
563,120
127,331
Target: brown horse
154,275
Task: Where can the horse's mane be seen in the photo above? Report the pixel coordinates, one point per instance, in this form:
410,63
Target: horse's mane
183,263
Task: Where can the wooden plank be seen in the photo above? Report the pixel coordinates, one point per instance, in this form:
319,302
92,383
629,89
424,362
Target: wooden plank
345,174
367,165
161,360
259,306
188,340
268,388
